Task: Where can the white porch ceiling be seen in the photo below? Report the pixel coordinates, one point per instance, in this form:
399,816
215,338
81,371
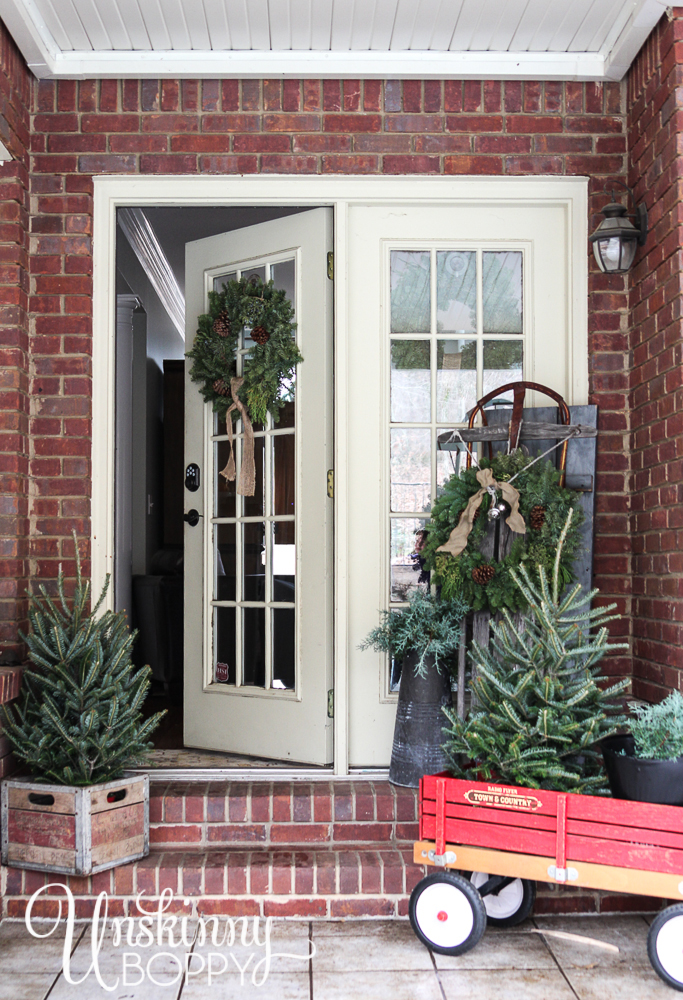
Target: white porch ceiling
461,39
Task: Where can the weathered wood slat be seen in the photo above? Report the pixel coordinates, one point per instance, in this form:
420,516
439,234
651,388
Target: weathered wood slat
530,431
19,798
42,829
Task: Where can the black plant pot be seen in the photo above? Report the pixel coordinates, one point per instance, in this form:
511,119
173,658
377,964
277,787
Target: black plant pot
641,780
419,722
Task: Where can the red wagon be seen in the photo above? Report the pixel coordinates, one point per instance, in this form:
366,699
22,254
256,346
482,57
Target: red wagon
507,838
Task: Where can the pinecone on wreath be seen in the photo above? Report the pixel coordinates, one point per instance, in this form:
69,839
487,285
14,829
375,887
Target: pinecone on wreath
221,387
537,517
222,325
483,574
260,335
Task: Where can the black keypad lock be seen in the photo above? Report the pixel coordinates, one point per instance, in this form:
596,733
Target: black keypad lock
192,477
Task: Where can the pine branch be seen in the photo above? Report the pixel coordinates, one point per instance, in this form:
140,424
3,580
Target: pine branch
79,719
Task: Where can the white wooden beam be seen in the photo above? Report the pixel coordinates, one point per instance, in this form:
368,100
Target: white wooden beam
321,65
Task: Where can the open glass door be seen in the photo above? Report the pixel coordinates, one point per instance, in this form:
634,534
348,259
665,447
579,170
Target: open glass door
258,569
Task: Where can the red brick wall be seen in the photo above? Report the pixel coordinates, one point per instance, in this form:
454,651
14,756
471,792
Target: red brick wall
655,128
15,105
81,129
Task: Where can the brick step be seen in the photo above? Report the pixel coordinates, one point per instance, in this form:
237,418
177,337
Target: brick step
351,882
271,814
293,883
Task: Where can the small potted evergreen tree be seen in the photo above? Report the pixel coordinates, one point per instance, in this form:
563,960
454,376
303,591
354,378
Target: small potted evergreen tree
539,704
647,763
425,636
77,727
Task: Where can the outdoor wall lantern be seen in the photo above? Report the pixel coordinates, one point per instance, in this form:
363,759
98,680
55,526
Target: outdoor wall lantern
616,239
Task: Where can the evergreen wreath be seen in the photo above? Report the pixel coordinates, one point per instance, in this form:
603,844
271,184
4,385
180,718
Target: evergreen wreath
268,367
544,505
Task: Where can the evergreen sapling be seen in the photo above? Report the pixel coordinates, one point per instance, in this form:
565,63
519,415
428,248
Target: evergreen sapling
658,729
427,627
538,707
79,721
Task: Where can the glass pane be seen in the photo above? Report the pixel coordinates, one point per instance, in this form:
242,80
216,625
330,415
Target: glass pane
253,506
283,648
283,277
287,413
284,562
254,562
448,463
225,489
254,646
223,279
502,280
255,272
221,429
405,564
410,380
411,473
502,363
456,291
224,662
456,379
410,291
284,479
224,535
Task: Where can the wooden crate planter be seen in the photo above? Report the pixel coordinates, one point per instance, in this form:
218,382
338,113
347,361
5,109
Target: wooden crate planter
581,840
75,831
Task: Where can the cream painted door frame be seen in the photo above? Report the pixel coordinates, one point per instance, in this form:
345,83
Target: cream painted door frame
342,193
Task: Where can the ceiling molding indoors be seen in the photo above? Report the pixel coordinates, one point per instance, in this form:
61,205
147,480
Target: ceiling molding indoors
153,260
387,39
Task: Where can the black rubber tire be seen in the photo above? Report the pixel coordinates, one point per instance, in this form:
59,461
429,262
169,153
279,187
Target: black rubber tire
526,900
457,899
659,963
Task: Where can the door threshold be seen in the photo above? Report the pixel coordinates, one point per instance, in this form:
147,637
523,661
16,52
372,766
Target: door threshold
258,773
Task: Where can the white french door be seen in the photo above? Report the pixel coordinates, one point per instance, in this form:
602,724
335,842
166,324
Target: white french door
445,302
258,570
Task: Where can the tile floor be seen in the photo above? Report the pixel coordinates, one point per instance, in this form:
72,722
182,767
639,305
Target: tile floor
354,960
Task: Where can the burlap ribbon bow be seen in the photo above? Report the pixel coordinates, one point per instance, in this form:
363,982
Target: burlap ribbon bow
459,535
247,480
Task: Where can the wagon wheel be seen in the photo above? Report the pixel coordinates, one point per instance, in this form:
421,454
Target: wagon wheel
664,945
447,913
508,901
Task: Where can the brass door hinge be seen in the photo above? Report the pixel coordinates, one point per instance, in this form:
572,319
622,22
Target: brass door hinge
330,483
330,265
330,704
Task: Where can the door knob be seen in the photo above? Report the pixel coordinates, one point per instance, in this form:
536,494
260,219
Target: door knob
192,517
